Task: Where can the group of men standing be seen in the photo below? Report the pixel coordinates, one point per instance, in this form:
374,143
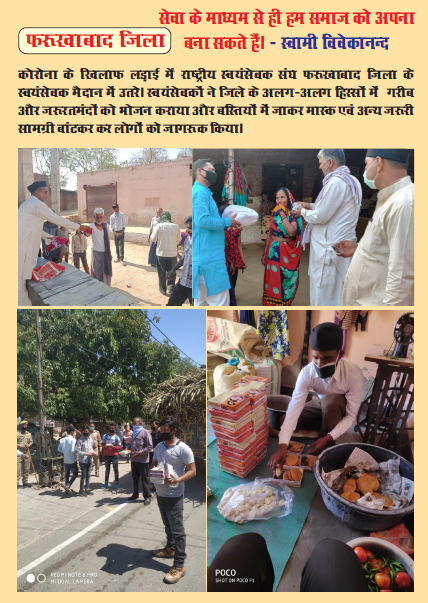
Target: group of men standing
147,449
37,221
378,270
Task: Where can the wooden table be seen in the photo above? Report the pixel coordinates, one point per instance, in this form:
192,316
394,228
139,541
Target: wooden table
74,287
382,418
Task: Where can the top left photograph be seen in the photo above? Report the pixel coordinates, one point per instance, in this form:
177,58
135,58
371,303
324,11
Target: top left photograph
104,227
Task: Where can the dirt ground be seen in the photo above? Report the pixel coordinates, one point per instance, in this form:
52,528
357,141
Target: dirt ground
142,278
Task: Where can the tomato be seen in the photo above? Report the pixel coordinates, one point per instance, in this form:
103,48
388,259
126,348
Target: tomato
386,570
385,590
361,554
369,553
382,580
402,580
376,563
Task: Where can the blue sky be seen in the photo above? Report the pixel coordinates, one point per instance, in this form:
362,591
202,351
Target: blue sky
185,328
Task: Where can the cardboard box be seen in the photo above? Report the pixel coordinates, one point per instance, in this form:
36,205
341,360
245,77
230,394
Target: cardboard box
398,535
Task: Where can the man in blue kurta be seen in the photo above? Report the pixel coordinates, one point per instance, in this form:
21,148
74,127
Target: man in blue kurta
210,279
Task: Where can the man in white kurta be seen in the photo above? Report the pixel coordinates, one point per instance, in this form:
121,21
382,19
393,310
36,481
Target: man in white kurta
32,214
333,217
382,268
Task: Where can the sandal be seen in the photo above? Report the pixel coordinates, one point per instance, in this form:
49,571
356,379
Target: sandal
97,475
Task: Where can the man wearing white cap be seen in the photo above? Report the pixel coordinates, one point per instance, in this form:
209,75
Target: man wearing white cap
332,217
31,217
382,268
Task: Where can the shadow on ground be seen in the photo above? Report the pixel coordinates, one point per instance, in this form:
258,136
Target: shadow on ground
121,559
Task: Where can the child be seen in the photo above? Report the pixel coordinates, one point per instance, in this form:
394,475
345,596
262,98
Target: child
78,249
64,249
234,256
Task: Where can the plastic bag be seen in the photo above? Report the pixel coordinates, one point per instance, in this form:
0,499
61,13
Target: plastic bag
245,215
260,499
46,271
225,375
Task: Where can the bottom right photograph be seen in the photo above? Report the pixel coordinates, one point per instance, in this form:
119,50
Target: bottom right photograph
310,450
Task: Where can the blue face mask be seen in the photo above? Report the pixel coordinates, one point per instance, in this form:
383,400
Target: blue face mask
370,183
136,429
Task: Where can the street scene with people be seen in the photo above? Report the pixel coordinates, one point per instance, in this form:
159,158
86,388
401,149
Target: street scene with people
281,227
104,224
111,450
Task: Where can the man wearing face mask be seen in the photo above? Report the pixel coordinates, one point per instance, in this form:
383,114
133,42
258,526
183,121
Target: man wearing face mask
339,386
141,447
210,279
332,217
101,266
85,451
183,289
111,445
96,443
382,267
170,496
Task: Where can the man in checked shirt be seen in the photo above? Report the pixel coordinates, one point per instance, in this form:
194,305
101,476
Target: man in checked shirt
183,289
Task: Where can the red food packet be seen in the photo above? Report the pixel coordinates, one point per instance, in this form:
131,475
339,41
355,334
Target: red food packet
86,229
56,242
46,271
398,535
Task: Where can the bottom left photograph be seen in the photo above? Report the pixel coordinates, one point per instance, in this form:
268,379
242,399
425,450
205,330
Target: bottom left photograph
111,450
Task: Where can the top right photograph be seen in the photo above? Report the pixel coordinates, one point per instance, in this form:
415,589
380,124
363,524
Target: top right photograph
303,227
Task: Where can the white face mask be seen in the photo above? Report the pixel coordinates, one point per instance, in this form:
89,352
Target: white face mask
370,183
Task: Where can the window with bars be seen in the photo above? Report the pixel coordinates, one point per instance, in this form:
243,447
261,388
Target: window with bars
152,201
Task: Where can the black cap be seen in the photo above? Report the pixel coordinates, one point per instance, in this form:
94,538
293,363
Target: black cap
326,336
35,185
115,205
400,155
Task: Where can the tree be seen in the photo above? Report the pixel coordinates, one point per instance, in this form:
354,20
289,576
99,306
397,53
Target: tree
148,156
89,160
42,165
183,367
95,363
73,161
184,153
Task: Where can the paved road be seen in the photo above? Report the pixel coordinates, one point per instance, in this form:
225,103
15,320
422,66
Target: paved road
114,555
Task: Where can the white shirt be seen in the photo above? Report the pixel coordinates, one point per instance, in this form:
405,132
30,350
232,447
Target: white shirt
166,235
347,380
335,219
97,238
382,267
31,217
155,221
67,446
84,446
117,221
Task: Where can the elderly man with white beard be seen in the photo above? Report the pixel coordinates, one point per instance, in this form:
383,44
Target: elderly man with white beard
333,217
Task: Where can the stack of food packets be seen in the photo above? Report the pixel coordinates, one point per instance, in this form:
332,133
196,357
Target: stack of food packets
160,472
239,420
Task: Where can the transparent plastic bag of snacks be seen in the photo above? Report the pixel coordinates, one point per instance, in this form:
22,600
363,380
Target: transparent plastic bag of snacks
260,499
245,215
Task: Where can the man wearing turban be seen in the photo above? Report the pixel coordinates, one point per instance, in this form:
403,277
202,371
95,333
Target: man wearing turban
31,217
338,384
382,268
